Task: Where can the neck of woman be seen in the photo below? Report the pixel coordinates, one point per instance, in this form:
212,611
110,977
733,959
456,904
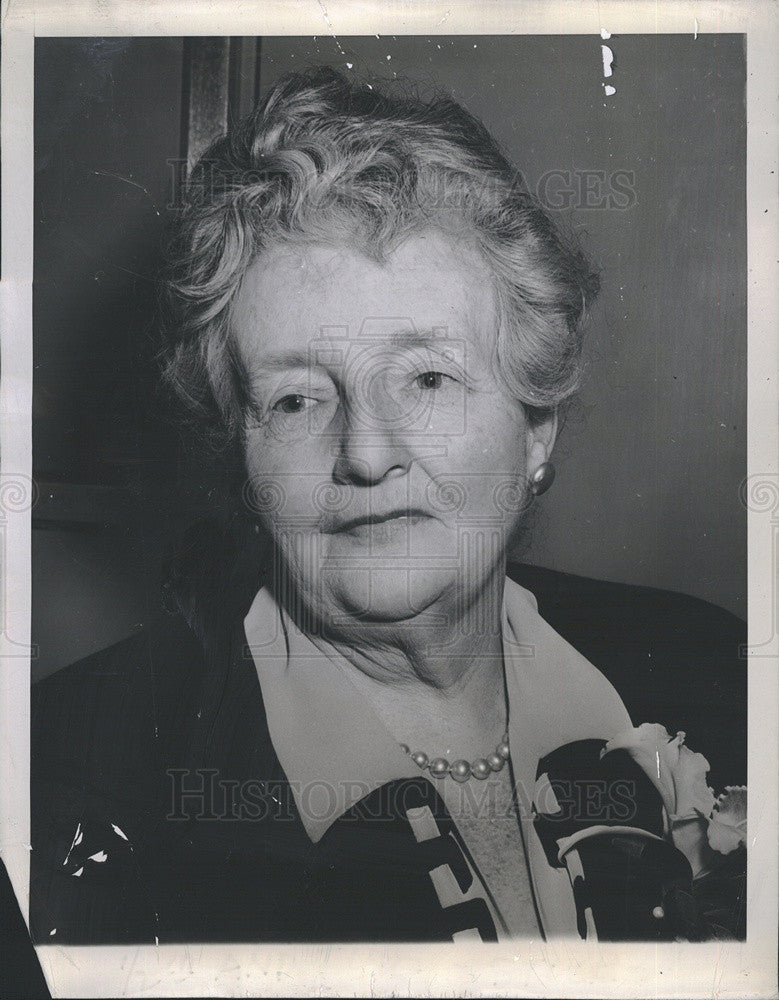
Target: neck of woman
437,682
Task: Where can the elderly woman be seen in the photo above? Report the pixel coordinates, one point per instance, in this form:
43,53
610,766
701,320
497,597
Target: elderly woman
346,728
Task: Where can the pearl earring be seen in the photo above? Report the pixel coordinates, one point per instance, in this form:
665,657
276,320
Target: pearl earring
542,478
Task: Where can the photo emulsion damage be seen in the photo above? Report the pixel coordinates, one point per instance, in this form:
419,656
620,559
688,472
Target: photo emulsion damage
389,434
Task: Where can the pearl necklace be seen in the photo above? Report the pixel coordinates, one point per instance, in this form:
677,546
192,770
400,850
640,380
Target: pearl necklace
462,770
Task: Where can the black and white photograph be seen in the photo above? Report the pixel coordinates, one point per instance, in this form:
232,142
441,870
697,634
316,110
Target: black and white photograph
393,507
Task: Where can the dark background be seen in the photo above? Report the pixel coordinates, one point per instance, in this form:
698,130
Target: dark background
653,177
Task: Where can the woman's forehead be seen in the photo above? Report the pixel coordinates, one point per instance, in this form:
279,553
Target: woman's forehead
427,287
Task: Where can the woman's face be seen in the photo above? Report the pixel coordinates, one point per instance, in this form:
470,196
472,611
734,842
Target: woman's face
384,457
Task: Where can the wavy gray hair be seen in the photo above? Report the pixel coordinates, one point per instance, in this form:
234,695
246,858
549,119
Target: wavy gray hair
324,158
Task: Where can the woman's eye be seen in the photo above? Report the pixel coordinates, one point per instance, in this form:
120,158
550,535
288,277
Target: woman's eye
431,380
294,403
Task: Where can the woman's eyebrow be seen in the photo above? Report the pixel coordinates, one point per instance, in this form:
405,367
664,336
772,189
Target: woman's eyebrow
436,338
317,354
285,359
409,336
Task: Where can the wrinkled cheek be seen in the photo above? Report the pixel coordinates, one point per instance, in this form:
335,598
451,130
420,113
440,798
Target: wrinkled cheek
298,552
281,497
300,556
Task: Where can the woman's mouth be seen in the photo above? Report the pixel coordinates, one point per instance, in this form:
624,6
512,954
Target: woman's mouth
382,527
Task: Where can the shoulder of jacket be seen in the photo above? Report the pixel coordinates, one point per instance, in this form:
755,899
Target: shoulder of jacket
117,710
568,595
673,658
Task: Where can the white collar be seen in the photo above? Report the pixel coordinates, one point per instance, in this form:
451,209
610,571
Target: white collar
335,750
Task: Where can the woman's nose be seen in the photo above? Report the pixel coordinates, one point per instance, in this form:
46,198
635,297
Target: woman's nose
372,445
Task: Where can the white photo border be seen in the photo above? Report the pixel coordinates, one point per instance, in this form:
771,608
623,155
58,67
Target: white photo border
512,969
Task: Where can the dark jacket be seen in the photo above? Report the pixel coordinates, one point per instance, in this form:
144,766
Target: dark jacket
118,737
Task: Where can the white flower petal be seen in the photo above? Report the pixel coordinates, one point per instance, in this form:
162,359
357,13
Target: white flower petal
697,821
724,838
650,746
728,825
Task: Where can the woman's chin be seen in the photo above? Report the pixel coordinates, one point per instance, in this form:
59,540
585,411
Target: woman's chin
385,595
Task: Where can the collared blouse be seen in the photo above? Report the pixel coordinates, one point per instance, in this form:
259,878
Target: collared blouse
335,750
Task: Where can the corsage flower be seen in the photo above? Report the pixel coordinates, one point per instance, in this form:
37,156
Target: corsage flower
727,827
698,822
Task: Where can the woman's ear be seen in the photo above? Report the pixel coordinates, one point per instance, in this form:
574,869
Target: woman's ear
540,435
